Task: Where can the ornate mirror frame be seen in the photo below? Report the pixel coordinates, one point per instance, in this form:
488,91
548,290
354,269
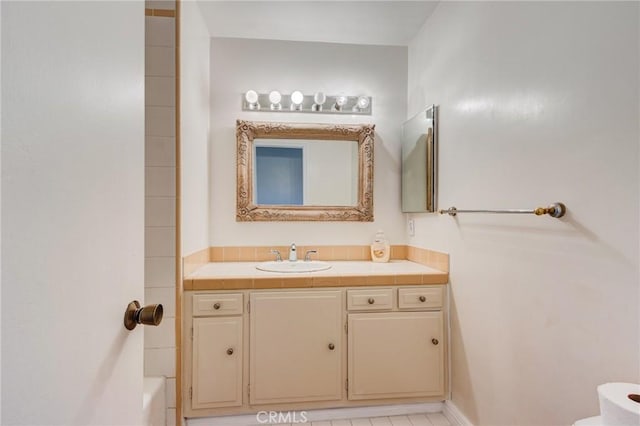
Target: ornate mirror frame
247,131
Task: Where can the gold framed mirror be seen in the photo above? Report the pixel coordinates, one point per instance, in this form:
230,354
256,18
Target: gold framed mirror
304,172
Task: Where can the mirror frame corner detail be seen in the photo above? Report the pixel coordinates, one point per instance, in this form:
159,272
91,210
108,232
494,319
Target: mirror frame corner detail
248,211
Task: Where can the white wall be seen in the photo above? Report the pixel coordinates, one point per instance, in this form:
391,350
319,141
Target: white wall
538,103
194,128
240,64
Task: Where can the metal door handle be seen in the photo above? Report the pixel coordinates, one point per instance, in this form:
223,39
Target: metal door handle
148,315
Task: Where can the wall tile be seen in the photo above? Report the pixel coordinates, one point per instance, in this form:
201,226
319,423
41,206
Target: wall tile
171,417
160,151
160,362
166,296
160,121
171,393
159,31
160,182
160,211
160,272
160,242
160,91
162,336
160,61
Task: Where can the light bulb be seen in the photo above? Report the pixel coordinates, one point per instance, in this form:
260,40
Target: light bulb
252,99
363,102
296,100
275,97
297,97
341,101
251,96
319,98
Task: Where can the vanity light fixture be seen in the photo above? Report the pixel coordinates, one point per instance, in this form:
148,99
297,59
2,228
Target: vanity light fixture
298,102
274,98
252,99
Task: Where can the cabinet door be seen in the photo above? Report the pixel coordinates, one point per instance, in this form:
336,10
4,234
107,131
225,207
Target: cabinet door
395,354
217,362
296,346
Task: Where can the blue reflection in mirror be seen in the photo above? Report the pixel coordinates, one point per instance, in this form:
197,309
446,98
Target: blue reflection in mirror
279,176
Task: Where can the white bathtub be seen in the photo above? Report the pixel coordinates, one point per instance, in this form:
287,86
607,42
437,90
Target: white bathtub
154,410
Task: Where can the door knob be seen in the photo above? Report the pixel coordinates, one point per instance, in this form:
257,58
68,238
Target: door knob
216,306
371,300
230,351
331,346
422,299
435,341
148,315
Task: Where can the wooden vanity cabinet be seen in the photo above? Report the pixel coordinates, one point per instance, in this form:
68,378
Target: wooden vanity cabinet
396,354
217,351
281,349
296,346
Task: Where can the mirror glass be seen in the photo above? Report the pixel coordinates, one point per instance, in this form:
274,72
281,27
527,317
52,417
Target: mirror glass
301,171
419,165
305,172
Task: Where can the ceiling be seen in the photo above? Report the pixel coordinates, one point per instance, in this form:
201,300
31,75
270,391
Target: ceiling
391,23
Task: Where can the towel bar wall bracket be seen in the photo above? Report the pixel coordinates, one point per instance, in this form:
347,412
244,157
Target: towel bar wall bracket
556,210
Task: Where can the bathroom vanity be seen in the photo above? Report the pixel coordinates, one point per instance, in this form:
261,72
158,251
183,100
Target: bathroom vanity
357,334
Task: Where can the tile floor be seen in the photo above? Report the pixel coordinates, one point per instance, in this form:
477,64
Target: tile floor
430,419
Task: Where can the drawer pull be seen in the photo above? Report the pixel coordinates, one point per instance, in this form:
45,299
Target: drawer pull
434,341
216,306
230,351
371,300
331,346
422,299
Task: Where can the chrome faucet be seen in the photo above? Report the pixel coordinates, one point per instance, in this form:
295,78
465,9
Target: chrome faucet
277,253
307,256
293,254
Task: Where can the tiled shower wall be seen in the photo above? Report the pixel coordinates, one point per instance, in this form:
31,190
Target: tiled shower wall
160,196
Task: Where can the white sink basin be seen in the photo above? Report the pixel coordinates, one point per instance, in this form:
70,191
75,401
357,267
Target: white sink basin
294,267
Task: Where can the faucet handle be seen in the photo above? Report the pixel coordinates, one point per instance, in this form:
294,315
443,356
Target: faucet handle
277,253
307,256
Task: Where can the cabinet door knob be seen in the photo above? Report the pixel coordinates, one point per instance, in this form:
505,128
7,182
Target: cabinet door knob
216,306
434,341
371,300
422,299
332,346
230,351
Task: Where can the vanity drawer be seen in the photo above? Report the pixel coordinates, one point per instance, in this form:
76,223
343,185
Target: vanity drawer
420,298
370,300
217,304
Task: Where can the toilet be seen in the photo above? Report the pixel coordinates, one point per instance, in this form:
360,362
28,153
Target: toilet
589,421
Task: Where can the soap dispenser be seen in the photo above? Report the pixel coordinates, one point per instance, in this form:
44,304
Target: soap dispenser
380,249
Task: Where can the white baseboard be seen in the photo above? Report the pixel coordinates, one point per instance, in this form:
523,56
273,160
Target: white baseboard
454,415
326,414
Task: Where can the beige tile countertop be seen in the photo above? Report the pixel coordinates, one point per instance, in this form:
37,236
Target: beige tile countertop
244,275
